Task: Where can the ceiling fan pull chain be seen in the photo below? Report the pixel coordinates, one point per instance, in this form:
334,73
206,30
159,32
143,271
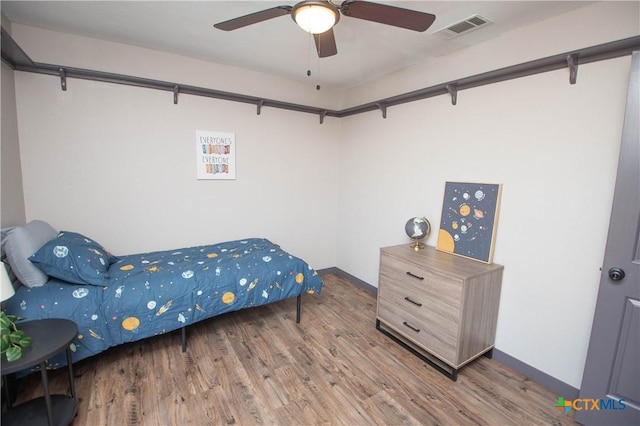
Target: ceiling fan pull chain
318,68
309,54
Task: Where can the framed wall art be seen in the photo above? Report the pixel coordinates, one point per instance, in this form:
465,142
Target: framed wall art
469,219
216,155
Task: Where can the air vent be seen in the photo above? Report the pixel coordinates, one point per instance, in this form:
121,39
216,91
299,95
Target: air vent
459,28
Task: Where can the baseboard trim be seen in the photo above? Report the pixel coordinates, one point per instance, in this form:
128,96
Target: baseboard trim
355,280
550,382
540,377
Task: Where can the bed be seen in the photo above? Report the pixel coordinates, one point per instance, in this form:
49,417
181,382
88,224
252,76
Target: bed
120,299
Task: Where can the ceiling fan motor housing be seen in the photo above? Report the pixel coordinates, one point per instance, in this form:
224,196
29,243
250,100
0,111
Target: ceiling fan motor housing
315,17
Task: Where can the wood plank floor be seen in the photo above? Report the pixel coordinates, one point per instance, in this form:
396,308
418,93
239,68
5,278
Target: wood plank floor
258,366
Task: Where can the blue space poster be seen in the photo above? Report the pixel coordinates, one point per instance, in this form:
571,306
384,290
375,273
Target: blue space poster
469,219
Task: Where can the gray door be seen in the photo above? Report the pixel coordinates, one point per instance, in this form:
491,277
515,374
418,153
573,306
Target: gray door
610,391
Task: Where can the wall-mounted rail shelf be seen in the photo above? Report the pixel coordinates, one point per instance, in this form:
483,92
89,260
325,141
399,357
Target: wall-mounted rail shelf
18,60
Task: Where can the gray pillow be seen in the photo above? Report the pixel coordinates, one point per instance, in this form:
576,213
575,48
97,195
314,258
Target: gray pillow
23,241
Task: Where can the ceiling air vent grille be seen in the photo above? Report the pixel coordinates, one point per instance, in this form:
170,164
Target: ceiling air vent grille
464,26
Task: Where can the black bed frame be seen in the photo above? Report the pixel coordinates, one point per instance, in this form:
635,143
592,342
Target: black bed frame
298,305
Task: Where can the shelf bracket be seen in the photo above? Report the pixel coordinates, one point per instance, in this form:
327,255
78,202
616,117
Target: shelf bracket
382,108
63,79
453,91
260,103
323,114
572,63
176,90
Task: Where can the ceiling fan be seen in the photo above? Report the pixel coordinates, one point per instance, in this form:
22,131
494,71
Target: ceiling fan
318,17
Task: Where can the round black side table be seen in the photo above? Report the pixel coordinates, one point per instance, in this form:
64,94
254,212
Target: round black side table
49,337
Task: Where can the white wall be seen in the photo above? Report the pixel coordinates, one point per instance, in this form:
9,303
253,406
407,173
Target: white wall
12,201
119,163
613,20
554,147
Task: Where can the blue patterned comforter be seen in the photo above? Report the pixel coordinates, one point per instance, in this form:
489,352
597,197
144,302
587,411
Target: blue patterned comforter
154,293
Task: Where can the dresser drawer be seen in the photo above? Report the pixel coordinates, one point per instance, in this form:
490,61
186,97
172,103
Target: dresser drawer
396,273
428,311
435,339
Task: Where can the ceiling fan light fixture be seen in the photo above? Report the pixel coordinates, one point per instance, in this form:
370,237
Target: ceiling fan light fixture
315,17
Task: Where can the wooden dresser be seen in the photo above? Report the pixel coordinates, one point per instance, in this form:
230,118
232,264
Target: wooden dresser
442,307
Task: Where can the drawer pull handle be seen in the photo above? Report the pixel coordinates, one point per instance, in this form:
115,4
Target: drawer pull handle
417,330
415,276
408,299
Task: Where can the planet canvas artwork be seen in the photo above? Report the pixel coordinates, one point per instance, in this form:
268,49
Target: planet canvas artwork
469,219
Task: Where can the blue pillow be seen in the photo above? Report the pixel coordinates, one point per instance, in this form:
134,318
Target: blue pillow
74,258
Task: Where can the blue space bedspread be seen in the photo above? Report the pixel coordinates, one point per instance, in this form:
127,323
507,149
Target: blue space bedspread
153,293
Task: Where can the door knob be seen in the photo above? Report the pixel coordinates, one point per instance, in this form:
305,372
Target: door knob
616,274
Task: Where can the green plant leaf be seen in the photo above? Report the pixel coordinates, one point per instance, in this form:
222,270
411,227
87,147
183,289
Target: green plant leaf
7,322
25,342
12,340
4,321
5,343
14,353
16,336
12,318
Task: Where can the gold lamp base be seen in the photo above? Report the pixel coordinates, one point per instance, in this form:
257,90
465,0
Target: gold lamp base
417,245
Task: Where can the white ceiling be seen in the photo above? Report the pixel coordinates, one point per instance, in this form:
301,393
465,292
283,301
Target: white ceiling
366,50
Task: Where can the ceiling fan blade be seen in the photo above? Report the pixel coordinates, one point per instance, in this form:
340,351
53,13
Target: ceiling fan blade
253,18
326,44
390,15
